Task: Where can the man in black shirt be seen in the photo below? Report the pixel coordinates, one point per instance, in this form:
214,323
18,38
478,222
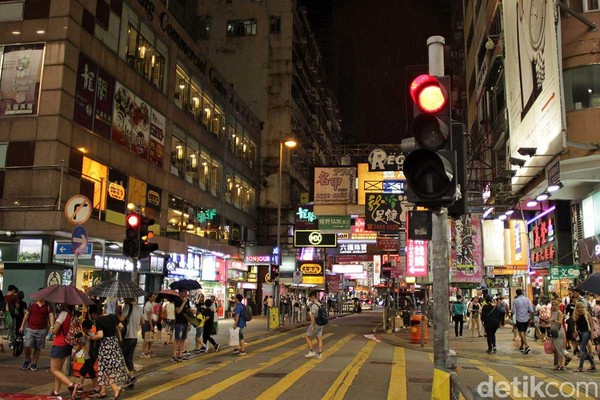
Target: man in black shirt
182,304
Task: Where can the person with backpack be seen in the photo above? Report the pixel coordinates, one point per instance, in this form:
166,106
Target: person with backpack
207,331
491,319
36,322
239,321
315,329
459,310
61,350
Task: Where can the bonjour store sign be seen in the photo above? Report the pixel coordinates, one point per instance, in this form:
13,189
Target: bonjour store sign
199,62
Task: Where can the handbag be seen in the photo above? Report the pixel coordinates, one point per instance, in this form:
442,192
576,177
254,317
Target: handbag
17,346
553,333
234,337
548,347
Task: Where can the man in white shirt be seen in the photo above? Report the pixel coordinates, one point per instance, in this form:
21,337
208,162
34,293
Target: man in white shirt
131,317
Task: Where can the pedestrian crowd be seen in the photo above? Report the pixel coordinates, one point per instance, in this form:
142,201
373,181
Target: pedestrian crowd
567,327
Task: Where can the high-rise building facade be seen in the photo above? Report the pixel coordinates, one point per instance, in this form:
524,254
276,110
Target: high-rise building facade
266,49
114,100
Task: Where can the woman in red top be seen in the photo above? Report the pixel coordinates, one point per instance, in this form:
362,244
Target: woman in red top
61,350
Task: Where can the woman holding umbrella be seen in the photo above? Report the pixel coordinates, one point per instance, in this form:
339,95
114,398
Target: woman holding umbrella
61,350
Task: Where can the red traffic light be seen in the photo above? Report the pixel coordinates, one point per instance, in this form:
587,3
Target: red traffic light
133,220
428,94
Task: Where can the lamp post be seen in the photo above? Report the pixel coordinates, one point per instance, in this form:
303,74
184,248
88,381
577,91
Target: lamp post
289,142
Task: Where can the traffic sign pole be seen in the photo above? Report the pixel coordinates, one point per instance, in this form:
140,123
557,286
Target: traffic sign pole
75,265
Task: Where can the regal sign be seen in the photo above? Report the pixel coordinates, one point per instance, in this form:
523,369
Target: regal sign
314,239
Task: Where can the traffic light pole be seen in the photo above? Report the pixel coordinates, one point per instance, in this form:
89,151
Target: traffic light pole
441,302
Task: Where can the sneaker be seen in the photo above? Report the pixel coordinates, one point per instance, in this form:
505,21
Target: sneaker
206,349
489,351
174,359
151,354
527,350
197,351
217,347
144,355
236,351
241,353
186,353
26,365
310,354
494,350
130,383
181,359
319,356
33,367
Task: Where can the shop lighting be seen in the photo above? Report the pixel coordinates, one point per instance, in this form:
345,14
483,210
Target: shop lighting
488,212
181,84
502,217
542,196
142,50
16,32
83,150
114,246
509,212
179,148
532,203
153,60
40,32
554,187
193,161
540,215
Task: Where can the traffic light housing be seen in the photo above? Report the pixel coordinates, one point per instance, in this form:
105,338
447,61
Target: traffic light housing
430,169
273,272
145,234
132,234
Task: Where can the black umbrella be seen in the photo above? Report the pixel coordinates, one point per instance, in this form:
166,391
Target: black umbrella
188,284
119,289
591,284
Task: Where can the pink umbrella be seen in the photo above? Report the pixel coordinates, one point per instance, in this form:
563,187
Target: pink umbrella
63,294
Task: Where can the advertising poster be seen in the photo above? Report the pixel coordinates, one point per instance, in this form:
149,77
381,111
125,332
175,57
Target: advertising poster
136,191
416,257
85,92
335,185
157,138
384,212
122,121
105,91
20,79
516,244
493,242
533,92
466,257
141,128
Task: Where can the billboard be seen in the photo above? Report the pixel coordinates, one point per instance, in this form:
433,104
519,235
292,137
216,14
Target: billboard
335,185
533,90
20,78
466,257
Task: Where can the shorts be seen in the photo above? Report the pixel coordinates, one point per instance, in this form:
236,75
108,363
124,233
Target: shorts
35,338
317,332
87,369
522,326
181,331
199,331
146,328
241,333
61,351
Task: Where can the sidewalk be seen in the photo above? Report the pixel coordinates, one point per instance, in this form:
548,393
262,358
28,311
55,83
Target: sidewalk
475,347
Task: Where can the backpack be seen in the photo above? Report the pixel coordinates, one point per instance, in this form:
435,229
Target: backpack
545,312
321,319
247,313
502,307
74,335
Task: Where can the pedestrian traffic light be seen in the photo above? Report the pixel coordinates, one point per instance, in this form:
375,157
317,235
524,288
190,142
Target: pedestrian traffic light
430,169
274,272
132,235
145,234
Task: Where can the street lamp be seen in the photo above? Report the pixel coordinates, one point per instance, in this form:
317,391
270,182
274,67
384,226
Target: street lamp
289,142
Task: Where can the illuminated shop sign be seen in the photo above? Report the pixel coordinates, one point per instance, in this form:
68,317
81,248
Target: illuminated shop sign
542,239
416,258
353,248
258,260
114,263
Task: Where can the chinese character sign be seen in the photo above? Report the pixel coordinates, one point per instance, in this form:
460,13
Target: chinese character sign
335,185
416,258
466,266
542,241
384,212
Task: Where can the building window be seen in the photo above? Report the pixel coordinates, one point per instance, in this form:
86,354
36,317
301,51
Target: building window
274,24
182,90
242,27
204,24
144,58
12,10
591,5
582,87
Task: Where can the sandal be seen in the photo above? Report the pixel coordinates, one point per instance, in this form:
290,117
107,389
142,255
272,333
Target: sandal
578,370
117,394
97,395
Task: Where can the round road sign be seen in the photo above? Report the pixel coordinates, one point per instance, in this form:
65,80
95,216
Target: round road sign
78,209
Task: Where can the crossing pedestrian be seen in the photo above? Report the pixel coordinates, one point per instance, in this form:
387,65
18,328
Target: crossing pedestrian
491,317
239,322
314,330
459,310
37,320
131,317
182,306
475,318
584,324
207,332
523,313
148,326
61,350
556,334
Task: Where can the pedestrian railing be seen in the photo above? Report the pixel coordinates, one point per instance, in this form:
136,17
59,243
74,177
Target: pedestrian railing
458,390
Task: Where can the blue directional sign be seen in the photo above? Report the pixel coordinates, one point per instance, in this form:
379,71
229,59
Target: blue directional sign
64,251
79,240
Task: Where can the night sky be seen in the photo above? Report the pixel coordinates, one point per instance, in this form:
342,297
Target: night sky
371,47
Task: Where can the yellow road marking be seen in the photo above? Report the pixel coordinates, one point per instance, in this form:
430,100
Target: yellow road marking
232,380
567,389
397,389
208,370
497,377
342,383
282,385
